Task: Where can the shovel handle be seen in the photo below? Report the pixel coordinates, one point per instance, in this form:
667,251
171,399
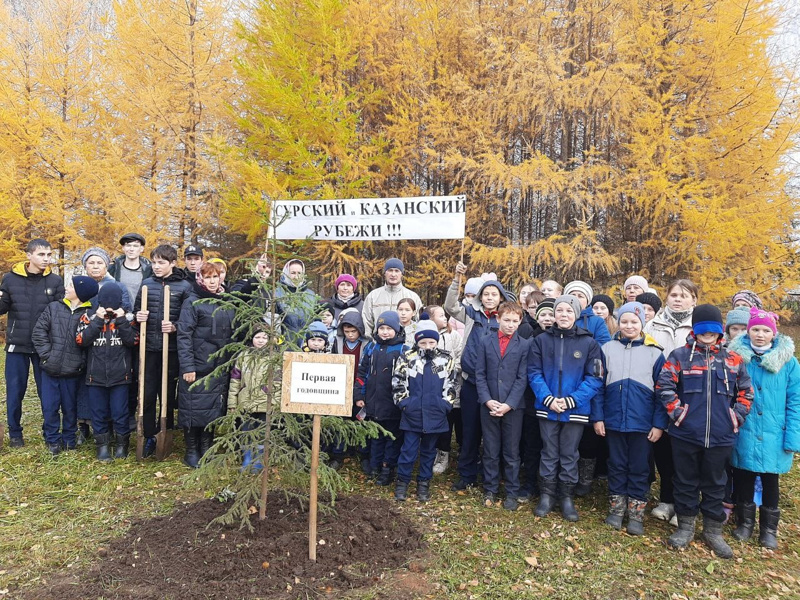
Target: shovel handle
142,348
164,356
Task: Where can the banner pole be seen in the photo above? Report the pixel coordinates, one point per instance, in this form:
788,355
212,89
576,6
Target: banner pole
461,260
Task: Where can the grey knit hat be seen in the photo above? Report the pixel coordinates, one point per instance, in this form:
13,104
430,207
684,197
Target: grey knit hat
572,301
95,251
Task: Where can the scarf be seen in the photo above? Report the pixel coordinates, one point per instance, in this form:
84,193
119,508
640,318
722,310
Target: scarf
201,284
675,319
343,298
761,349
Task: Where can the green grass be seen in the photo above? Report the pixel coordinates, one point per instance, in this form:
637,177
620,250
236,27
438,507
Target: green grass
56,513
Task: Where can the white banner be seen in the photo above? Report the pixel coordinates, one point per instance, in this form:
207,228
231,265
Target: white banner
423,218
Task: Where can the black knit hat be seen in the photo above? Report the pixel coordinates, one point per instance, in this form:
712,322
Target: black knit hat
85,287
110,296
605,300
651,300
707,318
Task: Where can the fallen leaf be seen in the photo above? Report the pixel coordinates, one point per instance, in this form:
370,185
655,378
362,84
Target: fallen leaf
265,565
159,474
322,542
531,560
710,568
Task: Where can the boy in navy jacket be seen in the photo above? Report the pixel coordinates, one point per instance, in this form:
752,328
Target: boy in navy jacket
707,393
565,371
501,376
424,390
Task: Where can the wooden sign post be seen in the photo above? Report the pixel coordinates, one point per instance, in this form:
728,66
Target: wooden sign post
317,384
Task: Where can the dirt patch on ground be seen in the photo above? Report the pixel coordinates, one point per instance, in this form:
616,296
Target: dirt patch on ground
177,556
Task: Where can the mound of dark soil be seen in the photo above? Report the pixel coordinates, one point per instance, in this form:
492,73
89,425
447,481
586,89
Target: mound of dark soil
177,556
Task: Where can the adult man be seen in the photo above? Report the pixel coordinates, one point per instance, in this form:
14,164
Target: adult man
387,296
131,268
24,294
193,257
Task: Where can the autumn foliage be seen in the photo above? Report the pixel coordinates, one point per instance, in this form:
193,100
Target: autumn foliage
592,139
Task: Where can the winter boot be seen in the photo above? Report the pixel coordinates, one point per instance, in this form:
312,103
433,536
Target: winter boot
566,494
206,441
547,499
386,476
149,447
103,443
636,516
745,521
585,476
768,527
664,511
616,510
712,536
123,443
401,491
54,449
191,437
684,534
82,434
441,463
424,490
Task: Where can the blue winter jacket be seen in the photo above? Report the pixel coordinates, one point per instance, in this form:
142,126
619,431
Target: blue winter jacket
627,402
482,326
594,325
503,378
424,389
698,386
375,373
771,434
565,364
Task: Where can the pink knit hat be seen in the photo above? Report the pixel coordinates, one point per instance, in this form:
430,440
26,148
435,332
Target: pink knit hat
348,278
759,316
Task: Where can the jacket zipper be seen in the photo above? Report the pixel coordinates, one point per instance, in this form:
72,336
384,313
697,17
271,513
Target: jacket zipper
709,373
560,363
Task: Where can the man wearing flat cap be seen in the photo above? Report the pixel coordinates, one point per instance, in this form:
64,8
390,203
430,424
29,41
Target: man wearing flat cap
131,268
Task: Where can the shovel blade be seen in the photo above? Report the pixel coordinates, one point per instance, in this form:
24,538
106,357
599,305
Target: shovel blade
163,441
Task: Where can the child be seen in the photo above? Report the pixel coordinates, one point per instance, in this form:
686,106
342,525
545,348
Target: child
423,389
698,385
633,287
524,291
551,289
545,314
746,299
62,362
326,316
651,303
164,260
375,392
316,338
565,371
407,310
529,327
109,336
603,307
771,434
501,376
736,323
480,317
627,413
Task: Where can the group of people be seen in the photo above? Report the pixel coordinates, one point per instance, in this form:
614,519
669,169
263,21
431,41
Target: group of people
545,389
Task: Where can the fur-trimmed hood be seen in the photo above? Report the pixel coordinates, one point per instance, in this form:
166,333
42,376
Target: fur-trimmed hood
773,360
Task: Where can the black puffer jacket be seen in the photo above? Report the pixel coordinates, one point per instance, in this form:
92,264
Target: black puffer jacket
24,297
54,339
203,329
109,362
179,290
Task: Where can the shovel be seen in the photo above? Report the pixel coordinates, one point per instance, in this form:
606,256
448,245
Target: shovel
164,437
140,403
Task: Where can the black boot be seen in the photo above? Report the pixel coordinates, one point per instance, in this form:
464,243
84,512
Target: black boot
566,493
547,499
123,443
103,442
83,433
684,534
712,536
206,441
585,476
424,490
401,491
745,521
386,476
191,438
768,527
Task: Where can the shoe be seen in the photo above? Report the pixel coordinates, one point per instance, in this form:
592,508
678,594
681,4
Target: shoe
206,441
674,521
123,444
511,503
54,449
547,499
524,496
636,516
16,442
335,463
401,491
386,476
191,437
685,533
461,485
424,490
441,463
103,443
768,519
489,499
663,511
83,434
566,494
366,467
585,476
712,536
149,447
745,521
616,510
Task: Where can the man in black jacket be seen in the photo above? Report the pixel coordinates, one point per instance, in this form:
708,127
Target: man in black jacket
164,259
24,294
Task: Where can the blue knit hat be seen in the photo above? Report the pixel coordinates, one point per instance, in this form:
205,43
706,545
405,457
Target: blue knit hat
637,308
394,263
426,330
737,316
317,329
390,318
85,287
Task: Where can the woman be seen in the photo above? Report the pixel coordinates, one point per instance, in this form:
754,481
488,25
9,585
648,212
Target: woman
670,328
346,296
203,329
295,302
